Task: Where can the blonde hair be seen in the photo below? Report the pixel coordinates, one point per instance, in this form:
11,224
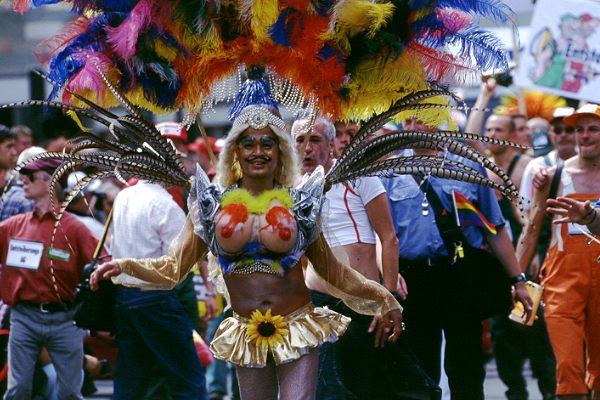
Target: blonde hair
228,167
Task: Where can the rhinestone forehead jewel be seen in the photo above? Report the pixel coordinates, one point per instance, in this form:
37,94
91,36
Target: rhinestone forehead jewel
258,117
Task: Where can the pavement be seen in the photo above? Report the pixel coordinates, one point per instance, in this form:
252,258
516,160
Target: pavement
494,388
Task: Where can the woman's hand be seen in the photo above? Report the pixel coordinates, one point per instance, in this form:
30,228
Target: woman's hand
388,327
105,271
570,210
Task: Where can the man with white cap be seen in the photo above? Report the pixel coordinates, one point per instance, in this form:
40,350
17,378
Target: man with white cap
570,273
562,138
84,203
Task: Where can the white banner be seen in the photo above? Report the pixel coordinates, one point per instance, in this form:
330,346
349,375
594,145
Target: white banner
563,50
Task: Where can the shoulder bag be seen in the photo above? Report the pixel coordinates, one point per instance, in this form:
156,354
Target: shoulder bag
478,272
95,310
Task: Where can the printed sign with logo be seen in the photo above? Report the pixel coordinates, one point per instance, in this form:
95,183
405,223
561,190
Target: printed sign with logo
563,53
24,254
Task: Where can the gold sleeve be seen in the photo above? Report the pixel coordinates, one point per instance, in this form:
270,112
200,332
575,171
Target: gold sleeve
357,292
167,271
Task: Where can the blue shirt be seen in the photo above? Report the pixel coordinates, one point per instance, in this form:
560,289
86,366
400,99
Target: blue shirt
14,202
418,234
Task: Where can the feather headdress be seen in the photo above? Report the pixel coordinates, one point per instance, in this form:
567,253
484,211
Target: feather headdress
351,58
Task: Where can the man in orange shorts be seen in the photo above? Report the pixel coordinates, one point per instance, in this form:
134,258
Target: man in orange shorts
571,272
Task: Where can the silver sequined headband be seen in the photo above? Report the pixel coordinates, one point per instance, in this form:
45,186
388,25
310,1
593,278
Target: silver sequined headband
258,117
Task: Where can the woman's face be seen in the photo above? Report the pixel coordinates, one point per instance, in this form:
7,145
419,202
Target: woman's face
258,153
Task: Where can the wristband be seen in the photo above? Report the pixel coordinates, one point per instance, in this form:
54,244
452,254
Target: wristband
516,279
593,212
590,214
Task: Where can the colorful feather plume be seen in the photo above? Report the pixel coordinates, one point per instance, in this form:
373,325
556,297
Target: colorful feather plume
353,57
535,104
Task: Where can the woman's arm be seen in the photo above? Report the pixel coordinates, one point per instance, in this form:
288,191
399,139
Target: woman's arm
165,271
378,211
357,292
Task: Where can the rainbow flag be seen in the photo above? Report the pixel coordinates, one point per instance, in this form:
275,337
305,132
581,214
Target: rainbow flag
468,215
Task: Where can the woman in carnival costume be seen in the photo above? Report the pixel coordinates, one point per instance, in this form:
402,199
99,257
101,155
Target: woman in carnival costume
259,228
353,59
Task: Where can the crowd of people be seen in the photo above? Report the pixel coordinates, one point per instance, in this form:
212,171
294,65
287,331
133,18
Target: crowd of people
348,296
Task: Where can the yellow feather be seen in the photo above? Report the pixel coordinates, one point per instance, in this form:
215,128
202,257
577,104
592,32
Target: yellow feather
431,117
378,83
352,16
75,118
137,97
261,14
167,52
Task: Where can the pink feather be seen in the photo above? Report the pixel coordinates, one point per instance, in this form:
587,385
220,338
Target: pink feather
88,79
123,38
21,6
454,20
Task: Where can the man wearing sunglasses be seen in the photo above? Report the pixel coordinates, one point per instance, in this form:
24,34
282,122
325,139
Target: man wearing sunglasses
562,139
570,273
39,277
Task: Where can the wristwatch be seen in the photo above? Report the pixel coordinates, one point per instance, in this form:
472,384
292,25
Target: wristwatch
516,279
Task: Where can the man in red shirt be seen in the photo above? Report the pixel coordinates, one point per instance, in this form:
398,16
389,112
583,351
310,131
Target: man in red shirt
38,280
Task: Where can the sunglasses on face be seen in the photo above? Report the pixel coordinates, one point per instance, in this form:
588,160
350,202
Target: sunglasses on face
566,129
266,142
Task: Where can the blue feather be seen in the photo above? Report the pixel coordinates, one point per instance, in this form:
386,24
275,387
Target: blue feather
160,85
39,3
327,51
485,48
80,6
416,5
72,58
495,10
255,90
281,30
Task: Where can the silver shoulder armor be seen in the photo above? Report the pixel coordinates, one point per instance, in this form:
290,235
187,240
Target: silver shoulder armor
307,207
203,204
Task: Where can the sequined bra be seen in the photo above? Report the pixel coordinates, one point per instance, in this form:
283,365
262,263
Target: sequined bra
266,233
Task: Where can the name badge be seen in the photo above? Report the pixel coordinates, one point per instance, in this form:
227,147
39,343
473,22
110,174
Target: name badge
58,254
24,254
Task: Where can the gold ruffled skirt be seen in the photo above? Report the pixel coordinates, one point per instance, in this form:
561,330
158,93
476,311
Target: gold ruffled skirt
308,327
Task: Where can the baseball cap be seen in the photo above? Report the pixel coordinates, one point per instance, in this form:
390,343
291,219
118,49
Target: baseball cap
562,112
44,164
172,130
75,177
588,109
29,153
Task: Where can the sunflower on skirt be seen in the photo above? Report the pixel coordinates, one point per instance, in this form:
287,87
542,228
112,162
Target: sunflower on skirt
266,330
